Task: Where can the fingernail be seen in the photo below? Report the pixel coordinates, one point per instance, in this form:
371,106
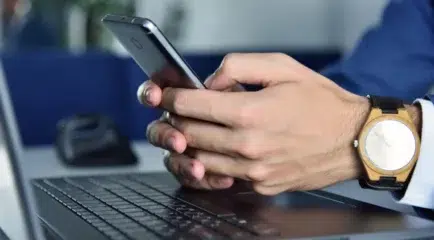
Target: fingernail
225,180
148,95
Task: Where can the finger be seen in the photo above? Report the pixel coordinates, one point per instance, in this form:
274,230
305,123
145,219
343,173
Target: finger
207,105
221,164
290,173
190,173
270,190
169,75
149,94
252,68
209,182
184,167
282,174
216,181
163,135
234,88
217,138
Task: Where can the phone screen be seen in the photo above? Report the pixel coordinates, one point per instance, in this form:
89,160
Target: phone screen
155,56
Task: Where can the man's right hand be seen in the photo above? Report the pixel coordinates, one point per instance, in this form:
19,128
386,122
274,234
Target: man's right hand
190,172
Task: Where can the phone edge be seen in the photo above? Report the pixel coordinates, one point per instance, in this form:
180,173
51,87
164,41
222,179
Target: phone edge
151,28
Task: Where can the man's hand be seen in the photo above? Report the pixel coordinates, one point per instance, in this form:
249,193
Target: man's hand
295,134
189,171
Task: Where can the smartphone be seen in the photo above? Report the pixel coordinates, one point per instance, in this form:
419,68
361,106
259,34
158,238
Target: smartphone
151,50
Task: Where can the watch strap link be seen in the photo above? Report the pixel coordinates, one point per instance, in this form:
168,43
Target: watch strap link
385,183
388,105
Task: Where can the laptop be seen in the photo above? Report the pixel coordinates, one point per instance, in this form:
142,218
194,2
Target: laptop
154,206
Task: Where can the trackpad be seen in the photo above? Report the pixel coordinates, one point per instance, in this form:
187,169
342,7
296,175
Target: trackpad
317,213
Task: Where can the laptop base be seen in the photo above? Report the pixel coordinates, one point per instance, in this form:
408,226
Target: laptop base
153,206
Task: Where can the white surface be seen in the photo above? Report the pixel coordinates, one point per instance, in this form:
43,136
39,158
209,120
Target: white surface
10,210
43,162
289,24
420,191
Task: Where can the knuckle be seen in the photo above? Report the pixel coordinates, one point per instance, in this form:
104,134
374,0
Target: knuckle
180,100
185,127
175,99
258,173
248,147
282,57
227,63
279,55
297,187
245,116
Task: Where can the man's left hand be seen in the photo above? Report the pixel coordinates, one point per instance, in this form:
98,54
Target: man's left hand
294,134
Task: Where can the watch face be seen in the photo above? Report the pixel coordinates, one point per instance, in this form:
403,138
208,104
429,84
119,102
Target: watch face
390,145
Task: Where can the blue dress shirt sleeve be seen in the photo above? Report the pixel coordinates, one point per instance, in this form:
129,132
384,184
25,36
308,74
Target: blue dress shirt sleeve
396,59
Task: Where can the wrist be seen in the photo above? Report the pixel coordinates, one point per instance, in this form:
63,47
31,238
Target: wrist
357,116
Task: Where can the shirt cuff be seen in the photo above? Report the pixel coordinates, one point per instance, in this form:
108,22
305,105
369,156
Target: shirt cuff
420,190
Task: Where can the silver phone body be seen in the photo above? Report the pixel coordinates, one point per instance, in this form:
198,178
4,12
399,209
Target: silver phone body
151,50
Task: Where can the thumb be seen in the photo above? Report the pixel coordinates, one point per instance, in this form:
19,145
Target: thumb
263,69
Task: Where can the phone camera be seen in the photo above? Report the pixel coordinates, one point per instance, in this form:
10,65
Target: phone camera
147,31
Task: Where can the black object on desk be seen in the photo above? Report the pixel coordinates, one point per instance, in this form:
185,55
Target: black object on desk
92,140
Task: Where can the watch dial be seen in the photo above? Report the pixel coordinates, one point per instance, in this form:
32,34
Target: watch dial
390,145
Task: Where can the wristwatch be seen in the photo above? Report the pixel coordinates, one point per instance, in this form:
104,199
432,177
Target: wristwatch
388,145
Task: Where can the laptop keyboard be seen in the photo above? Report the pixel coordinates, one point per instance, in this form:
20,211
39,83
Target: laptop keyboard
133,207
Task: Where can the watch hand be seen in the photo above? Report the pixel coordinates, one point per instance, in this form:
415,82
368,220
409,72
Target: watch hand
382,137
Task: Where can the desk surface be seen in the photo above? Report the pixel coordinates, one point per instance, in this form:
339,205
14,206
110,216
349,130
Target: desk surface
43,162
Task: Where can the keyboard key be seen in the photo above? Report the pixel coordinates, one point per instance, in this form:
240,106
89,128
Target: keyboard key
117,236
206,206
141,234
232,232
258,228
88,216
203,233
144,219
168,233
126,208
186,224
263,229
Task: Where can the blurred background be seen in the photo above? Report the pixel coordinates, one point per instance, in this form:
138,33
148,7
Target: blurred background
59,60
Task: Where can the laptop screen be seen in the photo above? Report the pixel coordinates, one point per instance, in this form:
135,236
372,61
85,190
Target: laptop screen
15,192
